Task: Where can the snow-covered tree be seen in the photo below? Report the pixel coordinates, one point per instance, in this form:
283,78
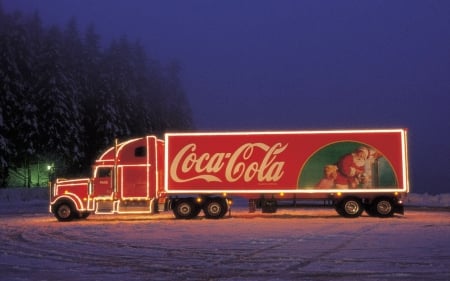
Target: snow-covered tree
60,123
64,99
178,108
90,85
20,111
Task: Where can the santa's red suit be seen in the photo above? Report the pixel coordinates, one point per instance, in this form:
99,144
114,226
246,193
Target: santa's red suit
348,171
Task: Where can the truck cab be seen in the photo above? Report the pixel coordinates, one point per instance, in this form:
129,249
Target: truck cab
126,178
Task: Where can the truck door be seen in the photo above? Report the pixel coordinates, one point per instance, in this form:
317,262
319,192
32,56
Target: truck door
134,176
103,182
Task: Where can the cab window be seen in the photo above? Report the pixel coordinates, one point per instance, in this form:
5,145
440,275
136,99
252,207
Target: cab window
104,172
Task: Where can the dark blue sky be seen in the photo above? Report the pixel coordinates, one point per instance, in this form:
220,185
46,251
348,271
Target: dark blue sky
297,64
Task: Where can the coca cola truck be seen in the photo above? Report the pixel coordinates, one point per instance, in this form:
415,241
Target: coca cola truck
352,170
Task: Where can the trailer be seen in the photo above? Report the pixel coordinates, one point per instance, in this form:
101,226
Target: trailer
352,170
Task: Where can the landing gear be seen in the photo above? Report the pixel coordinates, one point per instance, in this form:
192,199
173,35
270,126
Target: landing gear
269,205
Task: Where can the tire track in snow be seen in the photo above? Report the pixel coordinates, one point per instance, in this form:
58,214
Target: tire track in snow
265,256
333,250
271,264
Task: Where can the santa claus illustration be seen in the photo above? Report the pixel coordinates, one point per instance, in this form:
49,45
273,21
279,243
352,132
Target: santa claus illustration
351,169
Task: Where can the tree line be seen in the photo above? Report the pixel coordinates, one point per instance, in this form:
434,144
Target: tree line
64,98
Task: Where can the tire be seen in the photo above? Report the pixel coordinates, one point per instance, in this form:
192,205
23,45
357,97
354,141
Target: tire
215,208
382,207
185,209
350,207
339,210
65,211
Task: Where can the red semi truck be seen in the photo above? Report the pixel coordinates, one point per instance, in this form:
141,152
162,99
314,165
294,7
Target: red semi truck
352,170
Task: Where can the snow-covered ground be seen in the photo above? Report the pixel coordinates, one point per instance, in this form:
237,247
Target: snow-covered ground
293,244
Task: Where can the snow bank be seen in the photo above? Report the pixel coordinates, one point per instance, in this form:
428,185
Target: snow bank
427,200
23,194
11,195
23,200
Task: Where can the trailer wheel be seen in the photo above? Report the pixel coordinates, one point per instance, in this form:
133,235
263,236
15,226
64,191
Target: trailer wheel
65,211
185,209
350,207
215,208
382,207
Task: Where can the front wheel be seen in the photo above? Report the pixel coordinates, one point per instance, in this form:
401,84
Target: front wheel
65,212
350,207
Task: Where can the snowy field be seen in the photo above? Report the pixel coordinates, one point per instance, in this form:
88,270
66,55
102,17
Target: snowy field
293,244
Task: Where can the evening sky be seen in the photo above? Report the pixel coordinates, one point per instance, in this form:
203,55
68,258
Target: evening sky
282,65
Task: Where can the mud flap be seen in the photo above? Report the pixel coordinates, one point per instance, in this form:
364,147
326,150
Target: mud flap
399,209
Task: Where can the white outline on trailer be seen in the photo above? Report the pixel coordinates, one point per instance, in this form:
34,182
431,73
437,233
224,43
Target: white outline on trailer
217,190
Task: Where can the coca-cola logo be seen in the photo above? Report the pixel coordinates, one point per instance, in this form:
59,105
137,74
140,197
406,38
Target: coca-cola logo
241,164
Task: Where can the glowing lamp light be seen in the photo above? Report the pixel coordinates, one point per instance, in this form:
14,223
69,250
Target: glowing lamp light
199,200
281,194
339,194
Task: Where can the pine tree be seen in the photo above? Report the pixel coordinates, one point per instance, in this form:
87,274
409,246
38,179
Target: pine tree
59,115
140,121
9,85
72,52
90,87
63,99
18,100
108,124
178,111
